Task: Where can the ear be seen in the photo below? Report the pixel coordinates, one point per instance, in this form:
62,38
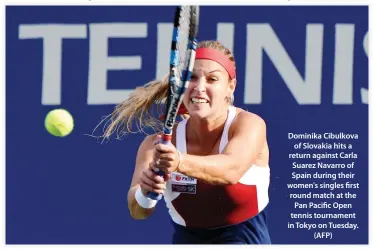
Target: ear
232,86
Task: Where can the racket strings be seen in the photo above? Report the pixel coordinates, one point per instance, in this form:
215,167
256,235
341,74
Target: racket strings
182,45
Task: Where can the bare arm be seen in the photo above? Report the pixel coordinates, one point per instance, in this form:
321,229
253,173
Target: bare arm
248,139
143,159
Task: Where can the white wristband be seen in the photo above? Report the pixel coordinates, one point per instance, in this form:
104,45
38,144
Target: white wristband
143,201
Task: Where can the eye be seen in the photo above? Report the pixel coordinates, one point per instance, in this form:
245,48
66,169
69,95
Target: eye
193,77
212,79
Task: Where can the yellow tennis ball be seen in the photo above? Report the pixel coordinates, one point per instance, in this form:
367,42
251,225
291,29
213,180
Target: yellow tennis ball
59,122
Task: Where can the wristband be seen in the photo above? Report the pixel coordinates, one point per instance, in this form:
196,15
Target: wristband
143,201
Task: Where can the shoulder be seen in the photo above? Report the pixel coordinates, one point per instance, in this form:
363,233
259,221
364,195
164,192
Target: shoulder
148,142
151,139
246,117
248,122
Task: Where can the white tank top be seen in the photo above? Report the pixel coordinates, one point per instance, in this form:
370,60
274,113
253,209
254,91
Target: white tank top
254,184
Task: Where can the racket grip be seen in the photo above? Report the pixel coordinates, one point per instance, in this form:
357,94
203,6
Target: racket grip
165,139
152,195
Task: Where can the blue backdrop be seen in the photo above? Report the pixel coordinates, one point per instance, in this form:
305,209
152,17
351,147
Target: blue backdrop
73,190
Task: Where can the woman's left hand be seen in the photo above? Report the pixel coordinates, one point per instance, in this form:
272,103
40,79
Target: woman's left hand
166,157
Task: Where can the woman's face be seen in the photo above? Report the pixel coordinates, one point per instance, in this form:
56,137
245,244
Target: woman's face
208,89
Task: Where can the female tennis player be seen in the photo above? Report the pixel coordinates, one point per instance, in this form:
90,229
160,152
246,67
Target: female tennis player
217,173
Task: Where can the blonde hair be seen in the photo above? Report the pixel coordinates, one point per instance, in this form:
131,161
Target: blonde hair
137,109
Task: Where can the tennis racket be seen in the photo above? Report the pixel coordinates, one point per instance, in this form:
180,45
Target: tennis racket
183,51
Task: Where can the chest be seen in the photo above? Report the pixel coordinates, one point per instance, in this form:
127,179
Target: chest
205,149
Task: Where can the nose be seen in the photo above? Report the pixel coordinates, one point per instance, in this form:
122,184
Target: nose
200,85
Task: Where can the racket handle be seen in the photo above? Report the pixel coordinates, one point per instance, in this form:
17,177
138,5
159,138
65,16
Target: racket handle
152,195
165,139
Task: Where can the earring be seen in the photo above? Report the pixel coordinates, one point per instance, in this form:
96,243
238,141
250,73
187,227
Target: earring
230,99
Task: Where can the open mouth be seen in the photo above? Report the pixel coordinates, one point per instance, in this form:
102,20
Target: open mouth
199,100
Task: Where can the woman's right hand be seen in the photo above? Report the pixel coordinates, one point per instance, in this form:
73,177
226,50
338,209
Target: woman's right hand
151,182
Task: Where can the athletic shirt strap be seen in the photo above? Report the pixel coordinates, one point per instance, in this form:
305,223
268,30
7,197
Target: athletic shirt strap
224,136
181,132
181,136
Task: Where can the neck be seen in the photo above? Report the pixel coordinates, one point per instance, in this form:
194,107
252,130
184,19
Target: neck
207,131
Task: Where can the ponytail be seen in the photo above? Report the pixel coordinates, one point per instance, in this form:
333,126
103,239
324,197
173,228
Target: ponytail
136,110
